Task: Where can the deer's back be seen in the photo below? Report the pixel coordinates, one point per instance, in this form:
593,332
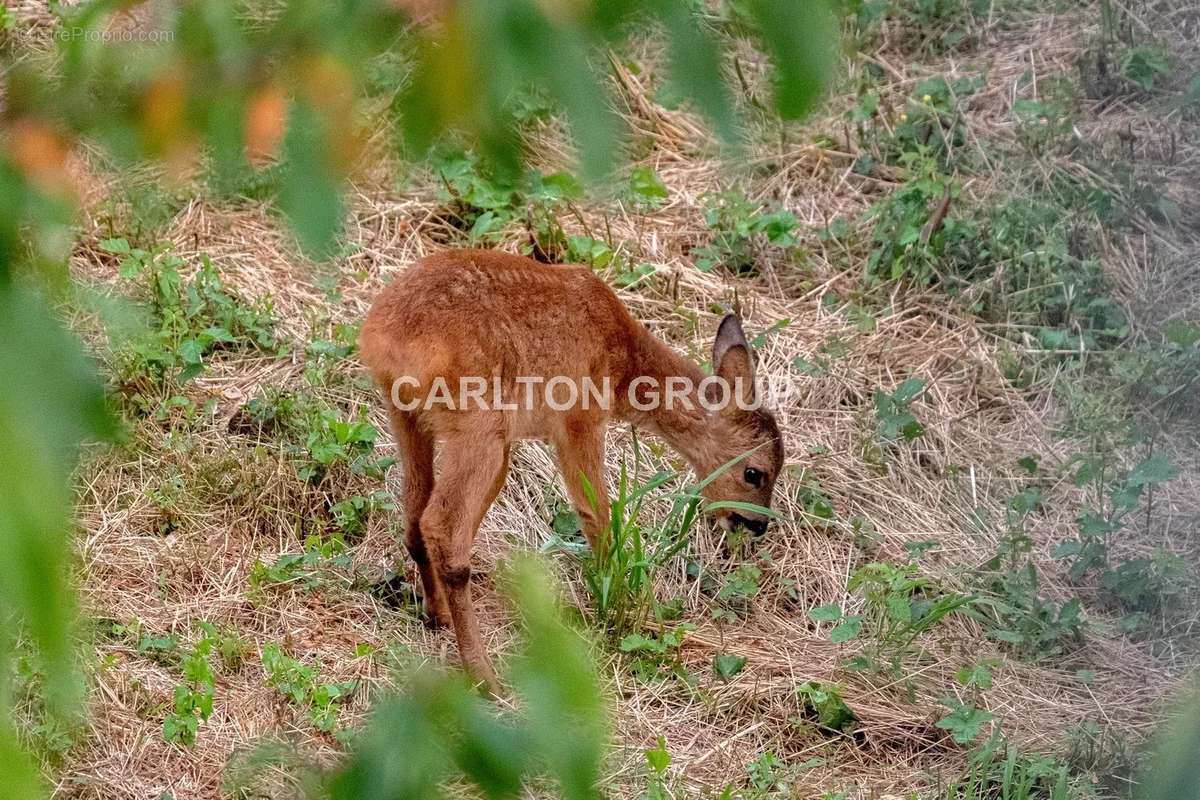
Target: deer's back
486,313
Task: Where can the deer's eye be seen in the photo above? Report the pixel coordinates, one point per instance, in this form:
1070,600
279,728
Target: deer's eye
753,476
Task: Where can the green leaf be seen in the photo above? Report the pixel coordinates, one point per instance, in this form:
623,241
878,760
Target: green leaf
964,722
726,666
975,675
909,390
1180,333
738,505
847,630
826,700
811,368
1155,469
658,759
118,246
22,781
491,752
647,186
50,401
1011,637
636,642
556,679
1174,771
310,194
1145,65
696,69
801,40
826,613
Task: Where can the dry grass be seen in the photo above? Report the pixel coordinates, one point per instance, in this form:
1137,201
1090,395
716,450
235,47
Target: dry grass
242,502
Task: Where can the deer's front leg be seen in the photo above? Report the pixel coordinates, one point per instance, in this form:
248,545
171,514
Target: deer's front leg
473,472
580,453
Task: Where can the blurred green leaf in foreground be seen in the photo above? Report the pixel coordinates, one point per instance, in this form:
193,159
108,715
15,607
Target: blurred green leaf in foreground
440,728
229,87
50,400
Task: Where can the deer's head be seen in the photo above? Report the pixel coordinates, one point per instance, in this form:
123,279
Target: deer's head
739,426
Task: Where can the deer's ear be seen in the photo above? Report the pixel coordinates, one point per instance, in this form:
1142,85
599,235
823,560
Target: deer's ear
732,360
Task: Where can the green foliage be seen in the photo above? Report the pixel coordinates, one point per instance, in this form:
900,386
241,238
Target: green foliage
318,437
927,136
910,239
901,605
763,772
1173,771
162,649
194,697
977,675
934,26
620,578
822,704
738,589
655,656
438,729
893,416
1046,124
964,722
657,761
1033,626
307,569
50,401
646,188
1138,585
848,626
998,769
1148,66
742,230
350,515
727,665
189,321
299,683
818,508
326,354
528,48
484,205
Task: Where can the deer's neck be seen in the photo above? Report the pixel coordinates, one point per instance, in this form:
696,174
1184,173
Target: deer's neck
679,419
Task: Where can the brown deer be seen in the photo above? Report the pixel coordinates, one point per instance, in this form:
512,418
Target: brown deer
463,318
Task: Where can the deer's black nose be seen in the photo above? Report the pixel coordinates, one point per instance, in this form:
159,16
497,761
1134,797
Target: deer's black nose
756,526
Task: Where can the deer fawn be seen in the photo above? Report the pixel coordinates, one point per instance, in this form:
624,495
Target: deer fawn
503,325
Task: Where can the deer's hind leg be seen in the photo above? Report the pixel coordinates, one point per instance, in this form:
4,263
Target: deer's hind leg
580,453
473,472
416,455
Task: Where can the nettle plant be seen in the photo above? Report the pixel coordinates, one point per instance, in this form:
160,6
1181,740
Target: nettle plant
965,721
192,320
894,417
899,606
322,557
743,232
317,436
1139,585
300,684
914,232
1009,601
193,697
